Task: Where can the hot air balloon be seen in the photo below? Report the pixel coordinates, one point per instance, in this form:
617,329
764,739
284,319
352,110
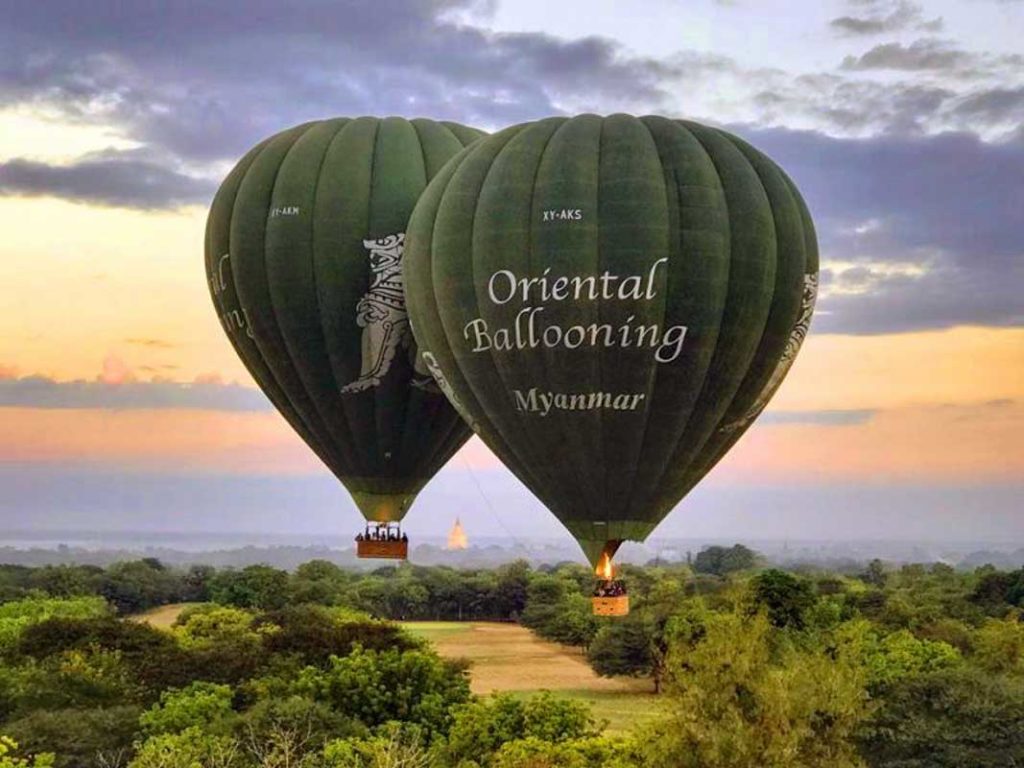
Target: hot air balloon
610,302
304,256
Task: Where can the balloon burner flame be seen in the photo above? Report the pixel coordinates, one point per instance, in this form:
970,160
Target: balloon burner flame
604,567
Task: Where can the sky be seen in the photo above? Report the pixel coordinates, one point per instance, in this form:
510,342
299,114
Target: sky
123,406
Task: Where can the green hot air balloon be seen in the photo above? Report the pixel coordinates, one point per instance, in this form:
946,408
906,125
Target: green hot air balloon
610,302
304,255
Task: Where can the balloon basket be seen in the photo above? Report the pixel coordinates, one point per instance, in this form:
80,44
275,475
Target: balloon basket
384,550
610,606
382,541
610,598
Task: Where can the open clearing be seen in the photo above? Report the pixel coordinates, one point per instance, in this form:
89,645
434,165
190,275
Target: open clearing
508,657
164,616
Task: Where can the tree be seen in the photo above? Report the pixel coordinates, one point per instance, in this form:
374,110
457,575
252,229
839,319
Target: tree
786,598
481,727
18,615
997,590
81,738
8,759
510,591
396,745
875,574
415,686
624,647
724,560
557,611
210,625
296,714
66,580
188,749
947,719
255,586
201,705
590,752
739,699
139,584
315,634
153,657
319,581
999,645
637,644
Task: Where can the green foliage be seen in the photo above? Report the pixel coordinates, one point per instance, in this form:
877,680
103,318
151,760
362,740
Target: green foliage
950,719
191,748
81,738
720,561
16,615
590,752
636,645
997,590
999,645
510,590
739,701
134,586
886,658
396,745
200,705
557,611
255,586
205,625
8,758
315,720
320,582
624,647
875,574
760,669
71,678
414,686
481,727
314,634
786,598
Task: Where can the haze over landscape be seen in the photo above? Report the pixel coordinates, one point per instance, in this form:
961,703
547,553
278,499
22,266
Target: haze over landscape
123,407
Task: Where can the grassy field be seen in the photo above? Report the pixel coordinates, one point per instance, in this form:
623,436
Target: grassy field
507,657
162,617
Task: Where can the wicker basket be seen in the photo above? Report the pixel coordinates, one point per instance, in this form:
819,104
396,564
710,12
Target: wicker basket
610,606
387,550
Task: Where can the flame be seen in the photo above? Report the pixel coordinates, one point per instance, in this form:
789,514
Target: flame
604,567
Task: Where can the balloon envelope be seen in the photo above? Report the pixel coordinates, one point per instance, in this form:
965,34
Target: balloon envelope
304,251
610,302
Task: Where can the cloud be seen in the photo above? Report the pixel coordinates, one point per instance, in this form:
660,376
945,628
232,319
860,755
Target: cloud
930,226
995,105
205,83
113,178
151,343
114,393
924,54
830,418
878,18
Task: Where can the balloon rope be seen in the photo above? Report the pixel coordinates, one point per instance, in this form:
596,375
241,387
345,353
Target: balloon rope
487,501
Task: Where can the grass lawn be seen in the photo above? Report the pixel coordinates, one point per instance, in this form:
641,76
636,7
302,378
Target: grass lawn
163,616
507,657
622,710
435,630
